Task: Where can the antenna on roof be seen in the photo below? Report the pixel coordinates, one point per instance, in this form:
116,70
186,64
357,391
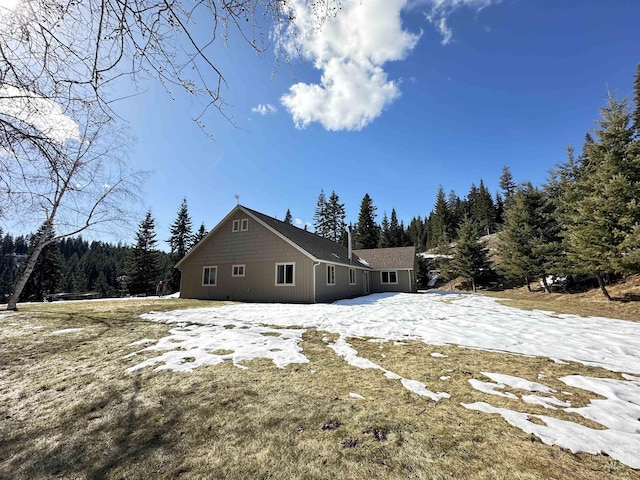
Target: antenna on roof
237,197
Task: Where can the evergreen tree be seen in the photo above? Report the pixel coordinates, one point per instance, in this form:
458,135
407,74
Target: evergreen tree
8,266
636,99
530,243
385,240
143,267
471,255
46,276
507,184
456,210
482,209
396,231
367,231
438,221
180,242
334,215
603,223
416,233
288,219
320,215
199,235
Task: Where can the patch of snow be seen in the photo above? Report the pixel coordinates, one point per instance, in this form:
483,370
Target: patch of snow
517,382
421,389
490,388
622,446
438,355
356,396
445,377
65,330
546,402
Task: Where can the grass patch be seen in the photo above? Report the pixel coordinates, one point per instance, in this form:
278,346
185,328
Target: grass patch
625,304
69,409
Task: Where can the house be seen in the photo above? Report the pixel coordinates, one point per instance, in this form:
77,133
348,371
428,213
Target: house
394,268
252,257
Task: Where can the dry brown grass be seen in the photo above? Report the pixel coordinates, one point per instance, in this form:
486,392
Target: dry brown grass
69,409
625,304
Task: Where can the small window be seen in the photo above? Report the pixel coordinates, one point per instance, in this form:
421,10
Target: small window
285,274
237,271
209,276
331,274
240,225
389,277
352,276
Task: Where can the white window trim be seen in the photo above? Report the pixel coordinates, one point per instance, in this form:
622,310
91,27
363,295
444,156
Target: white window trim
388,272
215,284
240,225
332,275
285,274
233,270
352,274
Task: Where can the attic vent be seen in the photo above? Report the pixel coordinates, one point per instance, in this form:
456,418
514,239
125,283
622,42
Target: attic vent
335,255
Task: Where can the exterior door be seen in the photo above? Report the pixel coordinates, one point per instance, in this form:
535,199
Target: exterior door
366,283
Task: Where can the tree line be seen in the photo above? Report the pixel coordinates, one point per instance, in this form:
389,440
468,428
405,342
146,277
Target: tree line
74,264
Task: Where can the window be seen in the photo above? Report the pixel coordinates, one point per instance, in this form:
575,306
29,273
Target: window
285,273
331,274
389,277
240,225
237,271
209,276
352,276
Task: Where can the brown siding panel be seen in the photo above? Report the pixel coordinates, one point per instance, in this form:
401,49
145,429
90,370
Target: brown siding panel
259,250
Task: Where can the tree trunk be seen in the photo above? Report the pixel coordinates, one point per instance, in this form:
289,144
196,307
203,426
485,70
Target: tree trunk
602,287
546,285
31,263
526,279
473,284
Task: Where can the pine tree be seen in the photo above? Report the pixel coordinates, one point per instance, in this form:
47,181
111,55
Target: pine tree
8,266
367,231
320,215
181,231
46,276
438,221
334,215
507,184
471,255
603,223
199,235
180,242
530,243
143,267
385,240
416,233
396,231
288,219
636,99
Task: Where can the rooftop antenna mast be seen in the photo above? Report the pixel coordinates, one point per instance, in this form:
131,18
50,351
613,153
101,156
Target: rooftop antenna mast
237,197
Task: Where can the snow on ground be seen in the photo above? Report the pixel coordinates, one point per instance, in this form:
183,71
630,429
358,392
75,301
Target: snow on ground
244,331
65,330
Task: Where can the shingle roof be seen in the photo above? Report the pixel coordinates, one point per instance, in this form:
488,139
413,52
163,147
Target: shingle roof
318,247
398,258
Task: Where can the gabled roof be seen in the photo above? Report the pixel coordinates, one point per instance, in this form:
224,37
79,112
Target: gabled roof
316,247
397,258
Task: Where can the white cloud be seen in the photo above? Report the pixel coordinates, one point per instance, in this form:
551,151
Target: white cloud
301,224
350,50
441,10
263,109
43,114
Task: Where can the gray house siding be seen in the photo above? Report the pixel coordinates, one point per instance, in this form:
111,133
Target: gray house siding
405,283
259,250
342,288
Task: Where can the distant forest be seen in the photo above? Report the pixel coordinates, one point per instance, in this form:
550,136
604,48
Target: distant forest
585,220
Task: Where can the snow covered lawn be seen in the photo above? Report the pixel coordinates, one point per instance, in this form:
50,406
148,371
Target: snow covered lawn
242,332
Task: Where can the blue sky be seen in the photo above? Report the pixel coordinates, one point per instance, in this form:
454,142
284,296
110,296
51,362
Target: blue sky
394,98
